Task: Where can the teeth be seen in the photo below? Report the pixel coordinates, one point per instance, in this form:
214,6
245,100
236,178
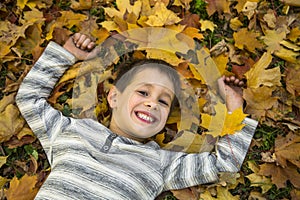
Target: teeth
145,117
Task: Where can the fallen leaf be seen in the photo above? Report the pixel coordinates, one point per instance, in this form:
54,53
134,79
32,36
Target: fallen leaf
162,16
249,9
81,5
207,25
258,180
280,176
22,189
248,39
259,75
191,20
259,100
288,149
294,34
292,80
11,122
223,123
3,160
220,6
272,39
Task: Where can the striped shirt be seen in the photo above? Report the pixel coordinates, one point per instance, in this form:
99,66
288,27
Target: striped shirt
88,161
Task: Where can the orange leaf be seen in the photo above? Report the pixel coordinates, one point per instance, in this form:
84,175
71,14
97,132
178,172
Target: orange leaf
22,189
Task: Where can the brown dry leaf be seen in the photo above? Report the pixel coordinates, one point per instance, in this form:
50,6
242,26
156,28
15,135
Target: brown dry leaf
22,189
288,149
259,75
259,100
272,39
247,39
220,6
191,20
186,194
11,122
223,123
162,16
281,175
292,80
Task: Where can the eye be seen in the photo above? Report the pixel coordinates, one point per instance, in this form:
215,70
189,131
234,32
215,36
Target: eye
163,102
143,93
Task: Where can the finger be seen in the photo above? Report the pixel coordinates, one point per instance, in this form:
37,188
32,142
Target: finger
91,45
85,43
236,82
232,78
81,39
76,37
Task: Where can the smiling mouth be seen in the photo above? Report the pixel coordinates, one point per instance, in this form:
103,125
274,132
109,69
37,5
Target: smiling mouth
145,117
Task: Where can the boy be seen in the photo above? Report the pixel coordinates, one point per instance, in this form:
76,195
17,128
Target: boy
90,161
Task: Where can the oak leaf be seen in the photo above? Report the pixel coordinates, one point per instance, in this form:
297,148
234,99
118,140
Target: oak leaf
244,38
259,75
22,189
279,175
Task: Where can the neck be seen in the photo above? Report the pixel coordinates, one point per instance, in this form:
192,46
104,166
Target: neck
114,128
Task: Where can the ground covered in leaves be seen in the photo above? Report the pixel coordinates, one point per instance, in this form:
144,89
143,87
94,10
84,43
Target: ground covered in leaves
256,40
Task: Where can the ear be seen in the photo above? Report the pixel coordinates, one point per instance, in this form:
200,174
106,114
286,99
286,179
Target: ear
112,97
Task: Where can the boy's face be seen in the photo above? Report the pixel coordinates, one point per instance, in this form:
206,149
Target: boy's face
142,109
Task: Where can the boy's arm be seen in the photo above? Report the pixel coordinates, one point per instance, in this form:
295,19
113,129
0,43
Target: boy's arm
185,170
44,120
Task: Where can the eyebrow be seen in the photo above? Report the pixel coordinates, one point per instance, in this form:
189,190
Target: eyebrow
164,93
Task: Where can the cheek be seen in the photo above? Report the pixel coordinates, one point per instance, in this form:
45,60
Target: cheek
133,101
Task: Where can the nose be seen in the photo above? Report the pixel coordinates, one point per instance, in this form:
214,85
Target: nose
150,105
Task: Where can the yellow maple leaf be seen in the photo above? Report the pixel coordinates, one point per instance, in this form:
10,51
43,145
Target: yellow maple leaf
162,16
207,25
223,123
259,100
288,55
272,39
244,38
258,75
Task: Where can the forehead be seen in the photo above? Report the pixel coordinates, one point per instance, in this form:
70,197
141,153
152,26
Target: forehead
152,76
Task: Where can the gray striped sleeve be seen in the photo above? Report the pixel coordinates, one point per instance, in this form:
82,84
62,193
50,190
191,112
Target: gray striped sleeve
185,170
36,87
